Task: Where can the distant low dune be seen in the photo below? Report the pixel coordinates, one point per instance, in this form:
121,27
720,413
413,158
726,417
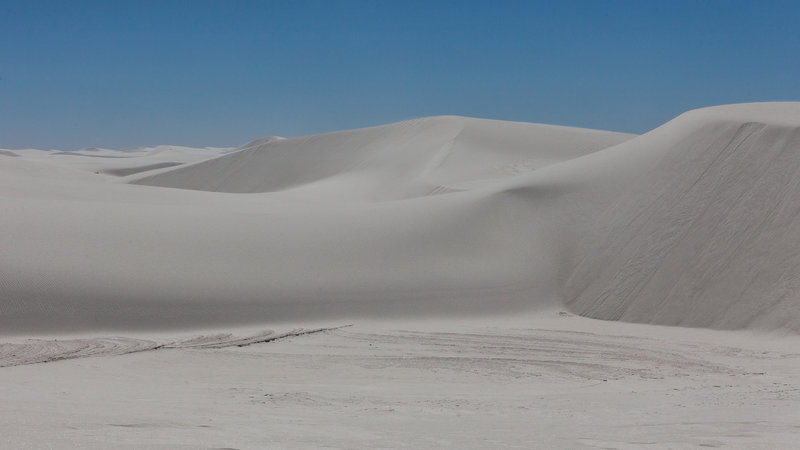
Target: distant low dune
406,159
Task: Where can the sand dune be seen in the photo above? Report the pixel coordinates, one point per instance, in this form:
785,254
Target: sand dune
119,163
703,231
692,224
402,160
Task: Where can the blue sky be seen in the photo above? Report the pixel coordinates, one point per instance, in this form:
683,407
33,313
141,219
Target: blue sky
119,74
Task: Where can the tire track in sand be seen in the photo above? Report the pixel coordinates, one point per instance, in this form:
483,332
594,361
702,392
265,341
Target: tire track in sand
37,351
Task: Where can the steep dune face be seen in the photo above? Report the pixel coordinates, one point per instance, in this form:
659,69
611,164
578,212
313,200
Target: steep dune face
402,160
705,229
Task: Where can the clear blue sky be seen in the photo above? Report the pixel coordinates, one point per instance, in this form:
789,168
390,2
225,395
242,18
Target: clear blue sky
118,73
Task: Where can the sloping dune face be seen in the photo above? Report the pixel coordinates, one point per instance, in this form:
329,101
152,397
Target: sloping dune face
307,241
403,160
705,229
693,224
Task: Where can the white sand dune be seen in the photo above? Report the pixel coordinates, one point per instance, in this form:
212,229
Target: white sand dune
403,160
698,226
132,257
119,163
691,224
319,291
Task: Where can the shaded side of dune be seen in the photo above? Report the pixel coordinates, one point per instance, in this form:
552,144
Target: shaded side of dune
705,232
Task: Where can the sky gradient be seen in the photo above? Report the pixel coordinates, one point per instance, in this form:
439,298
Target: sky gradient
120,74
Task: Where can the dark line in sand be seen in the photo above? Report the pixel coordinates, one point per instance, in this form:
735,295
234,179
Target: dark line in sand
229,342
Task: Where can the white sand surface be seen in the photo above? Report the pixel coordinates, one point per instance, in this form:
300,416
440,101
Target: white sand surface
412,285
531,382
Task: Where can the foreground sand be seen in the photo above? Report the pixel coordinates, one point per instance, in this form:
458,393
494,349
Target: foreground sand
551,381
